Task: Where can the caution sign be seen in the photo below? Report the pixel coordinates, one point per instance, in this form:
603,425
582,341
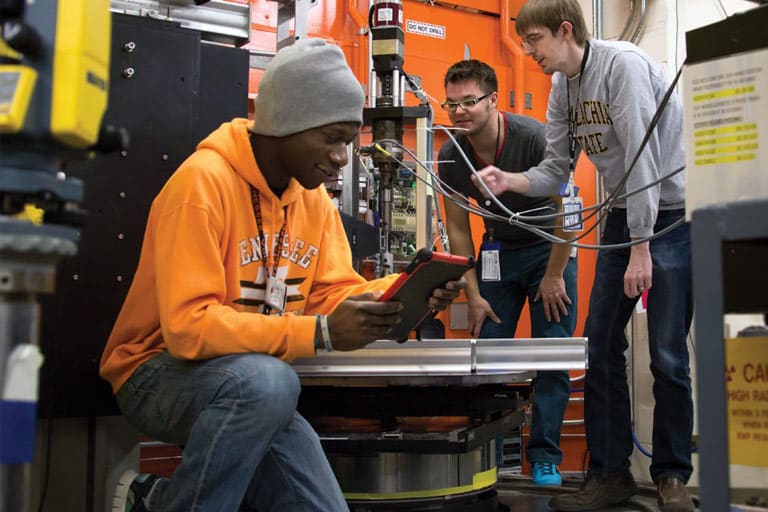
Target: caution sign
747,392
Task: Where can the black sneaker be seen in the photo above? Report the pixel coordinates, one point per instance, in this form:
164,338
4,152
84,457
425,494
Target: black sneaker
132,492
597,493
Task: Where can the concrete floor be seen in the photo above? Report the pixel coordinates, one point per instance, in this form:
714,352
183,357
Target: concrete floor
521,502
519,495
514,494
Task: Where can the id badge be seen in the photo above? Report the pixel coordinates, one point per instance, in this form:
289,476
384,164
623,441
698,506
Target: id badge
573,219
489,252
276,293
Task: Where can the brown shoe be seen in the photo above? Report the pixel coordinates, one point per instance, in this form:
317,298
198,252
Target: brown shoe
597,493
673,497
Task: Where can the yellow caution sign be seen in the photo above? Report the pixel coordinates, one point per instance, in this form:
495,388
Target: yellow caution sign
747,392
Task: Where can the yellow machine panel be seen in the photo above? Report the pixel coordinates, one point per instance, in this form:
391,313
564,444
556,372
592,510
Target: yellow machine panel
80,71
16,86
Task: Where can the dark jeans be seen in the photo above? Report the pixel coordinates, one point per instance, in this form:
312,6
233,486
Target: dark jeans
607,410
246,447
521,273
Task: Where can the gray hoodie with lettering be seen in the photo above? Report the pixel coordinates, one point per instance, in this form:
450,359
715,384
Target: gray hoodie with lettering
614,102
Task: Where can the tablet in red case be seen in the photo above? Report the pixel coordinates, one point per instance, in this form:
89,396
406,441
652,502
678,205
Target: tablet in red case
427,271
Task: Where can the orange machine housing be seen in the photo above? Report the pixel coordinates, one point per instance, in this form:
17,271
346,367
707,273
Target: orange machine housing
481,29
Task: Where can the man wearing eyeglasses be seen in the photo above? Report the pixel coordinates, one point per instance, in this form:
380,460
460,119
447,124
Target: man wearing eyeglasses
603,101
513,264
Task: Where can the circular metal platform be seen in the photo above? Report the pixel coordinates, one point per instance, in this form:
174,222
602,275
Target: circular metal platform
418,481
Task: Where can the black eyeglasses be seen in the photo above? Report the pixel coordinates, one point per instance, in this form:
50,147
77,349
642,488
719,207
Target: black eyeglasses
466,103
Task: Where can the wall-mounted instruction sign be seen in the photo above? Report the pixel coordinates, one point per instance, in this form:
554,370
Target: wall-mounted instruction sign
726,122
425,29
747,391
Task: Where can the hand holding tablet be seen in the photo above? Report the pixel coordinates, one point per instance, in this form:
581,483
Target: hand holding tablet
428,271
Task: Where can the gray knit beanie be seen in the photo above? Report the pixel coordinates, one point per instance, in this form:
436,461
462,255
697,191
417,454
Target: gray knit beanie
307,84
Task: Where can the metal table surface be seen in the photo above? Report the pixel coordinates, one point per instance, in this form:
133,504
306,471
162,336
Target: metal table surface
443,362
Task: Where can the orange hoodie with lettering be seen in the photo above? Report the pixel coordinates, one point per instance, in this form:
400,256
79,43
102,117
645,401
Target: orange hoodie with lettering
198,291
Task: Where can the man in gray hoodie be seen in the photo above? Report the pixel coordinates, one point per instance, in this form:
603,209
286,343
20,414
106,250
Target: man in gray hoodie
604,96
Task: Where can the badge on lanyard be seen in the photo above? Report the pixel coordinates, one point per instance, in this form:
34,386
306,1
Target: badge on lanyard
489,252
572,210
573,205
277,291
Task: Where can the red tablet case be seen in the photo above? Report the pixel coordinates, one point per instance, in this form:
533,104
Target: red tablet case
427,271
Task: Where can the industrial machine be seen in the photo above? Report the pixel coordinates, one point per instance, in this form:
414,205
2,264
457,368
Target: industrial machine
414,427
386,114
54,74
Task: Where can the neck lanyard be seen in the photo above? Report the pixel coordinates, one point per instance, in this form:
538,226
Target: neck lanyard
498,148
572,120
278,246
499,140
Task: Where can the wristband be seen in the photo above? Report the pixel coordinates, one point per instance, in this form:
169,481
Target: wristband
326,333
318,341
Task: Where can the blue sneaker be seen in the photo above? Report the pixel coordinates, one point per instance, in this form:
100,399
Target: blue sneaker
132,492
545,473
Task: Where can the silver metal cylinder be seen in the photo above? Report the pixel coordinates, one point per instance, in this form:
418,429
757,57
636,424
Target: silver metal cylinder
391,474
397,98
372,89
597,18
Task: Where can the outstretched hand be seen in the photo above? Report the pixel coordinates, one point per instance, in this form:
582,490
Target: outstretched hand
498,181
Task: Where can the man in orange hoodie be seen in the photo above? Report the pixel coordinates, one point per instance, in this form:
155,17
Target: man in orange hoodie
244,267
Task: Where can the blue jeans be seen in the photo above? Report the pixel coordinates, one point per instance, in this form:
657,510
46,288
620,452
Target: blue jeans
245,446
670,307
521,273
